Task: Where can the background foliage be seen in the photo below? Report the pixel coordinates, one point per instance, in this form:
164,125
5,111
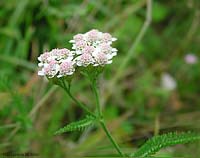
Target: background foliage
136,105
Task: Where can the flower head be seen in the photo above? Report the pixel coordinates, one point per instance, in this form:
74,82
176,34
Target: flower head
78,37
84,59
66,68
93,35
44,57
102,59
95,43
88,50
106,37
52,63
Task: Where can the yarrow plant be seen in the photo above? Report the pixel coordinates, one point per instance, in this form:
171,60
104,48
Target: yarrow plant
90,53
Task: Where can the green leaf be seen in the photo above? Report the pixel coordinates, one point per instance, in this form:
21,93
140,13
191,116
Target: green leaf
158,142
77,126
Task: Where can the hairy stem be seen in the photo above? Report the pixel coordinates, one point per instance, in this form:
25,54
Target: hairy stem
100,114
94,88
111,138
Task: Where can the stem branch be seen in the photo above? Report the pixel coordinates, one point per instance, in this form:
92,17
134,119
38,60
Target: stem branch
67,89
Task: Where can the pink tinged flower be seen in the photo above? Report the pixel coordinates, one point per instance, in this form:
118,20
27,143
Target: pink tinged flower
84,60
63,54
60,52
44,57
54,51
106,37
101,59
66,68
108,50
191,59
80,45
78,37
88,49
93,35
49,69
105,48
53,62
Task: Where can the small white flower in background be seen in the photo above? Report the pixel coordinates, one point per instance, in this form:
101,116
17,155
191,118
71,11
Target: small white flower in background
57,62
93,48
191,59
168,82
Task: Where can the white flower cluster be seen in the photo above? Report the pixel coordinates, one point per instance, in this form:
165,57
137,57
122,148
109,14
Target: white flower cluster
92,48
58,62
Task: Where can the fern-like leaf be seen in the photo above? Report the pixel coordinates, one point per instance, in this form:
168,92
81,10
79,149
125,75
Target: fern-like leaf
79,125
156,143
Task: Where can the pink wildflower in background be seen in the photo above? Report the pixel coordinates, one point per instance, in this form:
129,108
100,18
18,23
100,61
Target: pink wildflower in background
191,59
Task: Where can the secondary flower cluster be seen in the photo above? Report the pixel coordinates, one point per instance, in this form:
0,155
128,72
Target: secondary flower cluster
92,48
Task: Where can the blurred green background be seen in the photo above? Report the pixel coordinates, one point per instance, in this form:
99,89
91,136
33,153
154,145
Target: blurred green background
137,102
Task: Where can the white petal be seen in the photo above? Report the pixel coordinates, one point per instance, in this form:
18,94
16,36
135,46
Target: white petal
109,56
39,58
69,58
114,50
59,76
95,53
96,64
40,64
45,64
78,63
114,39
79,52
114,53
72,41
51,76
69,73
109,62
57,68
41,73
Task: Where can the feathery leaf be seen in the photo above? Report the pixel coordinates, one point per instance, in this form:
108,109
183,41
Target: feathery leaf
79,125
156,143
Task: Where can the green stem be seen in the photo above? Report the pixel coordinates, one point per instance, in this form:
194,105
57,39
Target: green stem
111,138
67,89
94,87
